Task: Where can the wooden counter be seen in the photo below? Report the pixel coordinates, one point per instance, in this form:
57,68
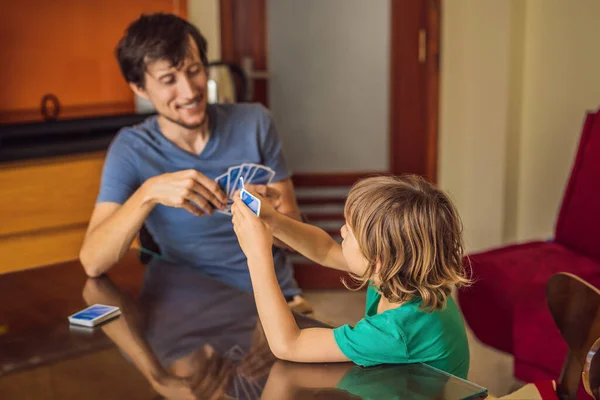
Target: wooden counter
45,206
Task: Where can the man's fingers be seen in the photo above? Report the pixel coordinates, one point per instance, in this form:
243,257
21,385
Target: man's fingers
272,193
205,192
200,202
209,184
193,209
260,189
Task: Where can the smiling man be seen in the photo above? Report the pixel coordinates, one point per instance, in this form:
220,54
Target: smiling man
159,175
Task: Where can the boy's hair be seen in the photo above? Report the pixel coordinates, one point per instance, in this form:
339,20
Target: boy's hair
156,37
413,230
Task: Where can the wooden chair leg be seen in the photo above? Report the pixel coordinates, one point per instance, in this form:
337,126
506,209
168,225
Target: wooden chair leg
570,377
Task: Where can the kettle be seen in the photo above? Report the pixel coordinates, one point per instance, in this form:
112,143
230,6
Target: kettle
223,87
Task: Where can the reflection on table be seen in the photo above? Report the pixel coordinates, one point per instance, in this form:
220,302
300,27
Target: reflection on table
181,334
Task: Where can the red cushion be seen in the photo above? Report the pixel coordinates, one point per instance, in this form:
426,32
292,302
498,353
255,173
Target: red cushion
508,277
536,339
499,276
578,223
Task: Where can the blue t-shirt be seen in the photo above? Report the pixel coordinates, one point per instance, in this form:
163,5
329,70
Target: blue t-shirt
240,133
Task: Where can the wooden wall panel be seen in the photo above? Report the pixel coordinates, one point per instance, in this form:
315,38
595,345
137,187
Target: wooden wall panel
65,47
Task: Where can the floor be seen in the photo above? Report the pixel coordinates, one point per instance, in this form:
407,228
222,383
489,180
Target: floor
489,368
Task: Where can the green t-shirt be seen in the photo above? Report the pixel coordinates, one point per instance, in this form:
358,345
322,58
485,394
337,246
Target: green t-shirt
407,335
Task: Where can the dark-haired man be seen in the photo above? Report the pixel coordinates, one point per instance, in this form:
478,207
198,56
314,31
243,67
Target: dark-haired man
161,172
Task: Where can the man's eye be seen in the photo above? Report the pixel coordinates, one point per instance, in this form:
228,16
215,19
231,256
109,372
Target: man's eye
194,70
168,80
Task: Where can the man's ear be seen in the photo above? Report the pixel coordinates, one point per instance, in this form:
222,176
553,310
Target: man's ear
141,92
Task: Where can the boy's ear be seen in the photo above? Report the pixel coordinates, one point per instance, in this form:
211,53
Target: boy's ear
377,266
138,90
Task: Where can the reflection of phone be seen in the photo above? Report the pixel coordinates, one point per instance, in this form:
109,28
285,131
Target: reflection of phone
94,315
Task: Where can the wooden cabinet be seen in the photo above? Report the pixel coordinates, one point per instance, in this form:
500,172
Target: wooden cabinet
65,48
45,206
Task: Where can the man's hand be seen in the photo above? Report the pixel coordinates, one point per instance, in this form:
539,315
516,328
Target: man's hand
187,189
266,194
267,204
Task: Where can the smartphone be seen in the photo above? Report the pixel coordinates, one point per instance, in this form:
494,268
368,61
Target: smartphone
94,315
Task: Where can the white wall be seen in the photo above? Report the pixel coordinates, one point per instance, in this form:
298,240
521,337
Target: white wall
205,15
473,113
329,62
561,80
517,79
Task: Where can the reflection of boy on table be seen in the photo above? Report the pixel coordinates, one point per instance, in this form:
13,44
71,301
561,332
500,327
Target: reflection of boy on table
345,381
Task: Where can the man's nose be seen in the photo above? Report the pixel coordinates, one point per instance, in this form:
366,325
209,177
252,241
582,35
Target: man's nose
186,89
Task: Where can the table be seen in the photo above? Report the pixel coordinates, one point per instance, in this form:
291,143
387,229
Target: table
179,330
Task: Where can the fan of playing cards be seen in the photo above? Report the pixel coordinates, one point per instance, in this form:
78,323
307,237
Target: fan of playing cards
253,174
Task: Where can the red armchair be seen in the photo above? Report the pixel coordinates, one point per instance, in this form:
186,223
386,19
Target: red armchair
506,308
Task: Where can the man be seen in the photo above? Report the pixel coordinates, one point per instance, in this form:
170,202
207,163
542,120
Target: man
160,173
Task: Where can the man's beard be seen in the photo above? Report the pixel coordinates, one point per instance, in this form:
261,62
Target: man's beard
187,126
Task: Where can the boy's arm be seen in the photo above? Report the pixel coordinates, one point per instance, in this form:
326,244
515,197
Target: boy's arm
308,240
286,340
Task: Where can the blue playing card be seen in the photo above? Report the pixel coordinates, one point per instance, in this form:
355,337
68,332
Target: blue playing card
222,181
250,200
245,169
234,174
262,176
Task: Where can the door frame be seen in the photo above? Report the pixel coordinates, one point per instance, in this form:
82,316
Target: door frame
414,84
414,87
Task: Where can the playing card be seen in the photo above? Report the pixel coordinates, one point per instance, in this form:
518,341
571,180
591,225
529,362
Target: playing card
244,170
248,199
222,181
234,174
262,176
227,211
250,168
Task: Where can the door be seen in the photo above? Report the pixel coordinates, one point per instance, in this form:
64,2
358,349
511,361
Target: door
407,31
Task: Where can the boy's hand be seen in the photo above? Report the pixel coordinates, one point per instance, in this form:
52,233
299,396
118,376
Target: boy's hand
254,235
270,199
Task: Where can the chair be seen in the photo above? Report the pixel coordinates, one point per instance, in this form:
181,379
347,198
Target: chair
506,308
575,308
